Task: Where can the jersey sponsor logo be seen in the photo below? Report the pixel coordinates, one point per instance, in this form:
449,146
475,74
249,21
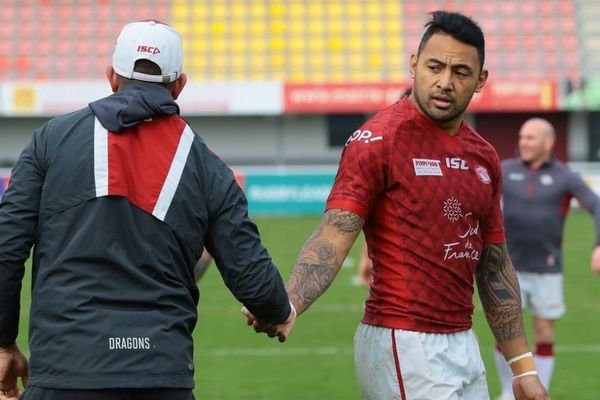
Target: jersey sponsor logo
148,49
516,176
462,247
546,180
456,163
364,136
452,209
483,174
425,167
128,343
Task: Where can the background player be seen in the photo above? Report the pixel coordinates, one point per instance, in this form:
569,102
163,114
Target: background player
537,190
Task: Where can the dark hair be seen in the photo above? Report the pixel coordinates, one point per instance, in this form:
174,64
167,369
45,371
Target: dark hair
458,26
146,67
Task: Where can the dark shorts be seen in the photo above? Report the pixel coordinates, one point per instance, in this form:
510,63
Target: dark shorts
39,393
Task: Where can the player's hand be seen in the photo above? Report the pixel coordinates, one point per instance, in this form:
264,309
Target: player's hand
282,331
529,388
596,260
13,365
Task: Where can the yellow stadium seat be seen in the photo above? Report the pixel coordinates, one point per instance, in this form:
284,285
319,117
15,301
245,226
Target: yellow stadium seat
257,45
337,61
257,28
375,61
316,27
180,11
257,75
257,10
277,26
239,27
199,10
317,77
277,10
238,44
297,44
238,10
316,61
297,62
219,46
354,9
219,28
338,76
297,27
336,26
335,8
315,10
374,9
277,60
198,62
297,76
277,44
316,44
198,46
199,29
336,44
297,10
219,11
355,44
355,25
218,61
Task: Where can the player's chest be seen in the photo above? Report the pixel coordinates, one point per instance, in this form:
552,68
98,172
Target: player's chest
443,181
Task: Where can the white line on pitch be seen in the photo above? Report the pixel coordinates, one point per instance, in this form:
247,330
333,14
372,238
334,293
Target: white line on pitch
329,351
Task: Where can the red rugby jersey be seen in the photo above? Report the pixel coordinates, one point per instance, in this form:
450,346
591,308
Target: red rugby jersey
430,202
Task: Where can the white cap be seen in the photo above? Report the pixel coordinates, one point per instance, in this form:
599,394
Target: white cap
149,40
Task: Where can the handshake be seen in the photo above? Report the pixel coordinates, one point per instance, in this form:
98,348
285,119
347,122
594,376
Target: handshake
282,331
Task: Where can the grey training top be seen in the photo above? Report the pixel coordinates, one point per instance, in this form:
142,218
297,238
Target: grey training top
535,206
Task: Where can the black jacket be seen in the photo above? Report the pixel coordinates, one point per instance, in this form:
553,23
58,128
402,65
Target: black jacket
118,200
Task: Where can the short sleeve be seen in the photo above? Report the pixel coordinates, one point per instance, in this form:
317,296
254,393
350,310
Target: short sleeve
362,171
493,232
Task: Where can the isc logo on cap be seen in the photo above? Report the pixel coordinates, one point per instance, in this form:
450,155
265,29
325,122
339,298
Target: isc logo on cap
148,49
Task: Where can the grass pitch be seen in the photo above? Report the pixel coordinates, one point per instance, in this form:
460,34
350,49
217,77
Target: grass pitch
234,363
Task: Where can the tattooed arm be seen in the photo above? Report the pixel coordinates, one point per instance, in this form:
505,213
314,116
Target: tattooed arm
501,300
317,265
322,256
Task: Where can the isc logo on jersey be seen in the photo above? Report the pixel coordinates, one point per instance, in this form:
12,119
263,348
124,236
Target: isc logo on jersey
364,136
456,163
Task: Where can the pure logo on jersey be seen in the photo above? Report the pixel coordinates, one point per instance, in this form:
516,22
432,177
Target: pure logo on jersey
482,174
456,163
365,136
427,167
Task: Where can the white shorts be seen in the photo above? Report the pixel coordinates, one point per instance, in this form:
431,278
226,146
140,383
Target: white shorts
542,294
405,365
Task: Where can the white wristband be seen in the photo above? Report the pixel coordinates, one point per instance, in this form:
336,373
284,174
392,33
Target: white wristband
528,373
293,312
517,358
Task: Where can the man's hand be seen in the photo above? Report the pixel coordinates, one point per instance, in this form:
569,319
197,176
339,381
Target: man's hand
13,365
282,331
596,260
529,388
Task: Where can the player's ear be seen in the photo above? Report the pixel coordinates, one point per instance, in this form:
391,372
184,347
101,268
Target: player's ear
113,79
178,86
483,76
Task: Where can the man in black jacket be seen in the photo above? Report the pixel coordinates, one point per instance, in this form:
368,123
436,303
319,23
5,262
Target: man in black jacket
118,201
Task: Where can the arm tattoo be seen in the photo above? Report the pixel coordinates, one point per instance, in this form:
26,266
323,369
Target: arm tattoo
321,257
344,221
498,289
